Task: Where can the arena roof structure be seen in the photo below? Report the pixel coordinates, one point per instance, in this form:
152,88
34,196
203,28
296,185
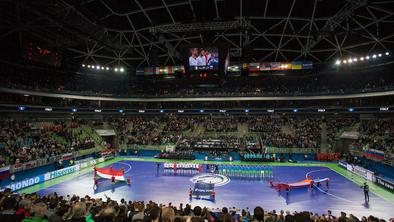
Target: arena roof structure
133,33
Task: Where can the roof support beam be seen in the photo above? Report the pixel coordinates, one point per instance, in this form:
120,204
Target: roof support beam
201,26
332,23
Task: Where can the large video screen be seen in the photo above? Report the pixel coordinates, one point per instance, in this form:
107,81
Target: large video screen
206,58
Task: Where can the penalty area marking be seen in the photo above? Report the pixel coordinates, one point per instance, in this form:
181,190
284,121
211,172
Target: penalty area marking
129,165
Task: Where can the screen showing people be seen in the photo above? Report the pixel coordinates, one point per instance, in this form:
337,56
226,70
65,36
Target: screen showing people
204,59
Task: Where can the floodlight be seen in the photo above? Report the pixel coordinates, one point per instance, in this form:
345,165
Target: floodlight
107,68
367,57
116,69
121,69
374,56
338,62
387,53
380,54
83,65
362,59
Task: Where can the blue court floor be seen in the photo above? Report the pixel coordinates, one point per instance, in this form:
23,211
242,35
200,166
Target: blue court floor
147,184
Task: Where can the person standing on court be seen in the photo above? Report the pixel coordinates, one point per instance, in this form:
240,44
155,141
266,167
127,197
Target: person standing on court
366,192
158,167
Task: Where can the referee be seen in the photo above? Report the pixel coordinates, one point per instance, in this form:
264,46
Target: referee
366,192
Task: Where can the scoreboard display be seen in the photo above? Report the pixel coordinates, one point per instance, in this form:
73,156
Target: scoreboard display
37,53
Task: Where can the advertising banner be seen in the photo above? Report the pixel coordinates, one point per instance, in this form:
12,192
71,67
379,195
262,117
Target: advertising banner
366,174
26,183
52,175
385,183
61,172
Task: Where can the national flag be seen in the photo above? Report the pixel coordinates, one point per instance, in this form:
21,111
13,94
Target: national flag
307,65
4,172
67,156
265,66
254,66
275,65
296,65
373,154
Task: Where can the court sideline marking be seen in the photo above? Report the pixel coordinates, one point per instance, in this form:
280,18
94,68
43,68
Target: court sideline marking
323,191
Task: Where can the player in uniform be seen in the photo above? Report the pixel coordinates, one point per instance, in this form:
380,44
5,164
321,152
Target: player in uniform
128,180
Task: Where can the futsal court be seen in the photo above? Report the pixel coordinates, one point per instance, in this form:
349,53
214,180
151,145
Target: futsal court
152,182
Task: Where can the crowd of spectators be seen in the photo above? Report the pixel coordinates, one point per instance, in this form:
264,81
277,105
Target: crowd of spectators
302,132
56,208
179,123
285,131
121,126
288,132
223,143
21,141
167,129
220,124
177,155
376,134
335,126
263,124
298,132
153,131
142,131
250,142
329,83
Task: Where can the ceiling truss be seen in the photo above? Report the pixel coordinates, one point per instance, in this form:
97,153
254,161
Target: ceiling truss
95,36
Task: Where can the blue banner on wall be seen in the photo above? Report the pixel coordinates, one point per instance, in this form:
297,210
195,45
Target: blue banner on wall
61,172
52,175
26,183
389,185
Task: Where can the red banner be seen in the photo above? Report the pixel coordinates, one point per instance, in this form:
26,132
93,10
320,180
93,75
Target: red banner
327,156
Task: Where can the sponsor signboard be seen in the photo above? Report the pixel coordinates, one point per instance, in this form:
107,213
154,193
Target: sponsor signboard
61,172
26,183
51,175
342,164
366,174
385,183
